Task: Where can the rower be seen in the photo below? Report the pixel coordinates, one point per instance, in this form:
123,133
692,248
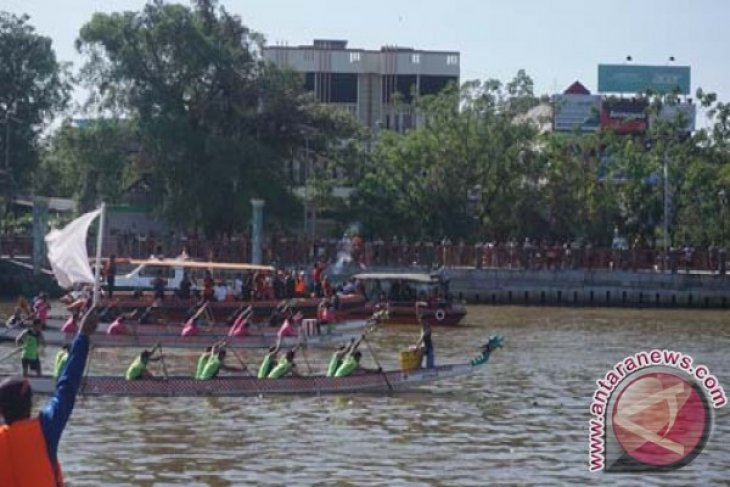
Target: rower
351,366
203,359
60,362
339,356
70,326
215,363
284,367
138,368
31,340
289,328
241,323
269,362
191,327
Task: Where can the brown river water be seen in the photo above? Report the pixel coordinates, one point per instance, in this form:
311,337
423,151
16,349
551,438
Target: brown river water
520,420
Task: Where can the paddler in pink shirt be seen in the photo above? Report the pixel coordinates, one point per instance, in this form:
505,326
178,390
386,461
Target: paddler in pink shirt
241,323
191,327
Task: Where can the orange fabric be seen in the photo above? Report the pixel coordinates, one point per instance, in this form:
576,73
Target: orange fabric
300,287
23,456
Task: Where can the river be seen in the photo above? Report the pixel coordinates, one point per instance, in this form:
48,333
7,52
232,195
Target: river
521,420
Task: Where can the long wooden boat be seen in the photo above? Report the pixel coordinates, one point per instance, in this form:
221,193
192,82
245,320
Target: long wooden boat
134,289
174,340
399,293
311,329
395,380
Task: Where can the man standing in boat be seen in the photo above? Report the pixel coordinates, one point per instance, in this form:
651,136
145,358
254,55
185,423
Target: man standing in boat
29,447
31,340
425,341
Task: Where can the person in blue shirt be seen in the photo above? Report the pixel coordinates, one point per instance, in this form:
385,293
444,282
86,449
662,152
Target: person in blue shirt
36,439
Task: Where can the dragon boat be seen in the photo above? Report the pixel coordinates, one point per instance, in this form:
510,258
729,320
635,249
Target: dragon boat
178,386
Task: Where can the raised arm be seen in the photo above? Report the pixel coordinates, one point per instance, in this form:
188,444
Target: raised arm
57,410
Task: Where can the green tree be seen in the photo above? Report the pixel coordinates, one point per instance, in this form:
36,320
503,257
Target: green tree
217,124
93,162
33,88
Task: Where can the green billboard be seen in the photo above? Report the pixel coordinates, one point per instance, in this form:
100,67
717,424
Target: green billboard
630,78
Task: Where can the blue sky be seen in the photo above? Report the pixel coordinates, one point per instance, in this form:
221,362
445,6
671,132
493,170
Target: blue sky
556,42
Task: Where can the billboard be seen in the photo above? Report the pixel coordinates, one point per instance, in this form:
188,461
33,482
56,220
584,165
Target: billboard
683,113
629,78
625,116
576,112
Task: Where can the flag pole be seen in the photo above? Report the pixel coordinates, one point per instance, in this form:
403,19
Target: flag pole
97,264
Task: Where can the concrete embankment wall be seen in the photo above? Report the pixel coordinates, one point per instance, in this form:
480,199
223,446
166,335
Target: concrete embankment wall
589,288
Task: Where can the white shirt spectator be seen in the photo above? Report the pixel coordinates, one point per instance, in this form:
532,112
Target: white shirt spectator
220,292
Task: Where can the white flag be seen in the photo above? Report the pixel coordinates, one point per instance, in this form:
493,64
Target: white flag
67,251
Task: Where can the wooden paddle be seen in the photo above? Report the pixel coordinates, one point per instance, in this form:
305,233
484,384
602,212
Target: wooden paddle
377,362
240,361
8,355
162,360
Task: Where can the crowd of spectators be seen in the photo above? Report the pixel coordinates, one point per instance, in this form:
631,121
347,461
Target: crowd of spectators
526,254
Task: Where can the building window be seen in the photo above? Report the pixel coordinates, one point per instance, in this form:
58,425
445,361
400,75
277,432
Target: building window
416,58
452,59
354,57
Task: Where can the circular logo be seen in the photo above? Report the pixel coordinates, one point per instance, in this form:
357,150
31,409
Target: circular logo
661,419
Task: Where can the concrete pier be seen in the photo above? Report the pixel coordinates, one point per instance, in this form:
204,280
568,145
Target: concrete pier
589,288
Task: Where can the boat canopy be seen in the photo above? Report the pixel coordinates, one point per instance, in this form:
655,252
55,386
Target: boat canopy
193,264
396,276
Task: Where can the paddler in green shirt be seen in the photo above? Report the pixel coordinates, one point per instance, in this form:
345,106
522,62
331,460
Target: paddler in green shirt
205,356
216,363
138,368
339,356
61,359
270,361
351,366
31,340
284,367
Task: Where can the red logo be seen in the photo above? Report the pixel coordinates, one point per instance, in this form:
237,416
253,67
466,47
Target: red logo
661,420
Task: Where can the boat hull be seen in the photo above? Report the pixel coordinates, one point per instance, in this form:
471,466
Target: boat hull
405,314
250,386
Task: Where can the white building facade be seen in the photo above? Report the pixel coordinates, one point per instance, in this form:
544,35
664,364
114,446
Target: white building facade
375,86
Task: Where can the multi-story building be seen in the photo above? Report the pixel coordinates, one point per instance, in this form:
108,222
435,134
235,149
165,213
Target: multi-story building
365,82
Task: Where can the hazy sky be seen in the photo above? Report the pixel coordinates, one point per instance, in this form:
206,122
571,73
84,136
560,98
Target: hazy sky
556,41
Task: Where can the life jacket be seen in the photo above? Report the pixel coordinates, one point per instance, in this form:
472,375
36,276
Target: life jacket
201,364
69,326
211,369
300,287
59,363
348,366
31,342
334,364
135,369
266,366
281,369
24,458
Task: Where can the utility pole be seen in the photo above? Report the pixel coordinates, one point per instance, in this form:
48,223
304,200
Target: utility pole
666,208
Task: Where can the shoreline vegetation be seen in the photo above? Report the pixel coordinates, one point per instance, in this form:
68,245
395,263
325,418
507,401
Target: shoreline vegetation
174,85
